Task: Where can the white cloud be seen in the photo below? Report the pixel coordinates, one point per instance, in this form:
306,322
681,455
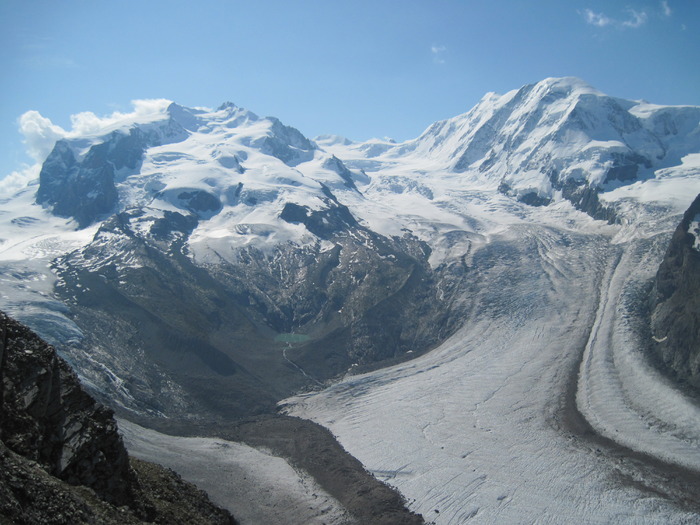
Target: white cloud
87,123
438,52
150,106
40,134
596,19
18,180
637,19
666,8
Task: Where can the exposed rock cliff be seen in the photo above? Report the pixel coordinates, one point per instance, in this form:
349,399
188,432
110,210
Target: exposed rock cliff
675,299
48,418
61,457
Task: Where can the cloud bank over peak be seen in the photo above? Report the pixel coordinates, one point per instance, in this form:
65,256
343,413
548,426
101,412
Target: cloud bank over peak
40,134
87,123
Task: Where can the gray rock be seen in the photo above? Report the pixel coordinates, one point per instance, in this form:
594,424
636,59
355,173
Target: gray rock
62,460
675,305
84,187
47,417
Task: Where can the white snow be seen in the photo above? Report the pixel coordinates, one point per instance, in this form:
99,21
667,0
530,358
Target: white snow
694,230
476,429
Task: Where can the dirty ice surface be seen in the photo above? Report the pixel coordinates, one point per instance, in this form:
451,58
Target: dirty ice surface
255,486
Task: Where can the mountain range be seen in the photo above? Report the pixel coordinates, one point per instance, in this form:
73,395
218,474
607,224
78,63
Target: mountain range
206,265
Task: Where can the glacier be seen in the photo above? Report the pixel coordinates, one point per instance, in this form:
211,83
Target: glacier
488,428
543,215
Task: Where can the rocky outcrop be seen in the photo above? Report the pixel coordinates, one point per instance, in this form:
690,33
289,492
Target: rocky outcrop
81,190
322,223
62,459
171,335
48,418
675,303
83,186
585,198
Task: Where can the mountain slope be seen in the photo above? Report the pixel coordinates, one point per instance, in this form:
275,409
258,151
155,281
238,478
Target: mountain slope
557,139
62,458
223,259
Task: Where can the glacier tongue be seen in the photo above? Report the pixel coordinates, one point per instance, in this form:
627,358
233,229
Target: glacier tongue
622,396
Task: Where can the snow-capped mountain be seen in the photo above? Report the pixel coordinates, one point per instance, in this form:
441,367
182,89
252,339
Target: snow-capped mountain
224,245
558,139
209,263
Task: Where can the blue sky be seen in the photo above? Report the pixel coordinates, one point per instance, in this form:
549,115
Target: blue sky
356,68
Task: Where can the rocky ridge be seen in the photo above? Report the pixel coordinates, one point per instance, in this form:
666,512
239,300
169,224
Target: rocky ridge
63,460
675,303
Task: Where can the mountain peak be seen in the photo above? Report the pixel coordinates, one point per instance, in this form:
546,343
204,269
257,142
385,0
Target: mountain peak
568,85
332,140
186,117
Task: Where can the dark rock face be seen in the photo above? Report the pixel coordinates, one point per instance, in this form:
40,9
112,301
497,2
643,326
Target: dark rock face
259,327
48,418
625,167
172,222
83,191
84,188
174,500
530,198
585,198
675,304
322,223
201,203
29,495
61,458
